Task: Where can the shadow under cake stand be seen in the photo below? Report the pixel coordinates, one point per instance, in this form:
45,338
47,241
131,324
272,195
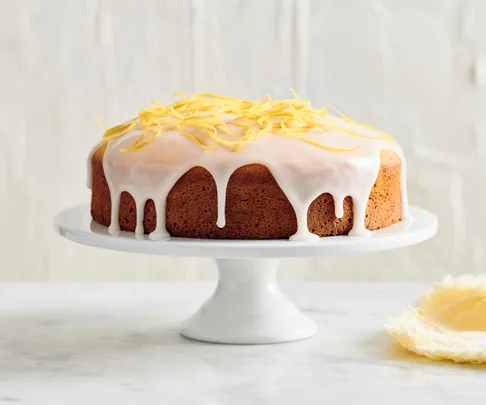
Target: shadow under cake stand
247,306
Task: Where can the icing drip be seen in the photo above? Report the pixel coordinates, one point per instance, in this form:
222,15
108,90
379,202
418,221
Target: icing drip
140,206
403,187
114,228
221,178
160,232
360,201
302,234
359,212
347,166
338,206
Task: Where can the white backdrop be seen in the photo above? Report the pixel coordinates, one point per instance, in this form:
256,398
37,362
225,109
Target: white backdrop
414,68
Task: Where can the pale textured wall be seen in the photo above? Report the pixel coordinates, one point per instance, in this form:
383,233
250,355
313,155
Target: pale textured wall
415,68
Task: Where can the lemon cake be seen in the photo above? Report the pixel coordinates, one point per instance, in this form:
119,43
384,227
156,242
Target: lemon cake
216,167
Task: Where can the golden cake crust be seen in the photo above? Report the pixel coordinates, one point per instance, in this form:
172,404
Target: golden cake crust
256,207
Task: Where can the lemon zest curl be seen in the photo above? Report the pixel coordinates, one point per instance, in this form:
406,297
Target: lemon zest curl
213,120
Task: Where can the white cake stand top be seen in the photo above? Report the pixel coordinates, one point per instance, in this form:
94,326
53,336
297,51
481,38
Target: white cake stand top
76,224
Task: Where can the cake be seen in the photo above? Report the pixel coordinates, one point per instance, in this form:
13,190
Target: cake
215,167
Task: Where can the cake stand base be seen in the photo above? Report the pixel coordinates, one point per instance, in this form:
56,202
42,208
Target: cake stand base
248,307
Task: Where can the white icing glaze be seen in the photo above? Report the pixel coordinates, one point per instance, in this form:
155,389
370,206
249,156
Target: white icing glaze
303,172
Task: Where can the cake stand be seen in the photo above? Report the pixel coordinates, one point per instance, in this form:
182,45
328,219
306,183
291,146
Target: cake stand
247,306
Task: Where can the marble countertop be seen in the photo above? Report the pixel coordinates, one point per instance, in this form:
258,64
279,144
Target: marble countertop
119,343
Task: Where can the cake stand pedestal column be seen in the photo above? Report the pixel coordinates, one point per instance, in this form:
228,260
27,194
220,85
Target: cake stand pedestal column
248,307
